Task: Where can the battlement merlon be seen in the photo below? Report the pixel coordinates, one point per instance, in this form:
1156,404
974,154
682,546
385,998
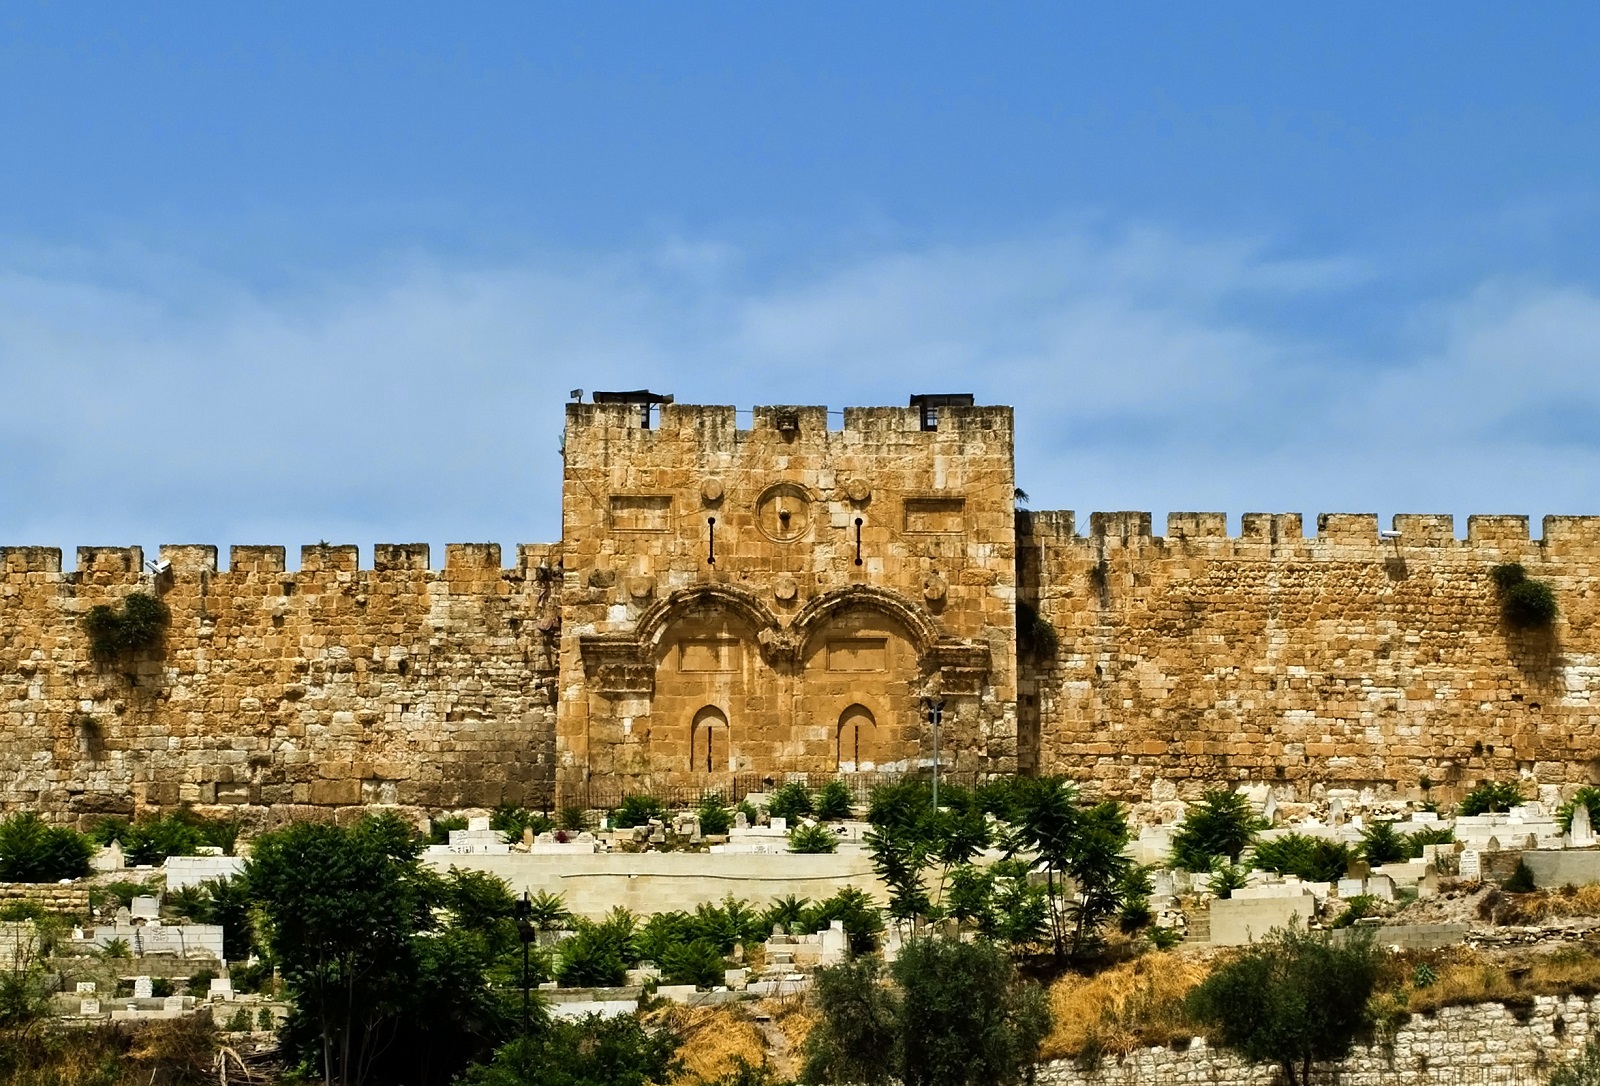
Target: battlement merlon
713,421
185,561
1491,534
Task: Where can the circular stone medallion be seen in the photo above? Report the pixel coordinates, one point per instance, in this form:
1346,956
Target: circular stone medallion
783,512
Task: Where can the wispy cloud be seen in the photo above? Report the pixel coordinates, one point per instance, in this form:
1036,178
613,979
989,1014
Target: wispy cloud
149,400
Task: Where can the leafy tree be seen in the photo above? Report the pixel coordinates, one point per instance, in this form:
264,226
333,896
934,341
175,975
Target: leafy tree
812,839
382,987
1492,796
899,855
548,912
862,920
1315,859
1380,844
790,802
599,954
592,1051
1227,877
1294,999
970,896
856,1039
1021,915
697,962
958,1015
32,850
1100,869
900,805
834,802
151,839
1221,824
226,901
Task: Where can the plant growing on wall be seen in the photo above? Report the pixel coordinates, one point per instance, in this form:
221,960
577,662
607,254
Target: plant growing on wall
1524,603
137,625
1036,638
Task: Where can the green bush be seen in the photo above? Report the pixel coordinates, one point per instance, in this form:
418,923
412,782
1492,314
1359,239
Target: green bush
1587,796
548,912
439,829
1222,824
813,839
592,1051
862,919
834,802
599,954
1428,836
1521,880
791,802
1492,796
1227,877
134,627
638,810
573,819
32,850
1381,844
512,821
1314,859
697,962
714,817
1524,603
1357,908
1583,1069
152,839
1037,640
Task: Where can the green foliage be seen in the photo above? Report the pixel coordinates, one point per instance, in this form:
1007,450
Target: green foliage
1356,908
638,810
599,955
199,983
1022,912
787,912
592,1051
1227,877
1582,1069
512,821
813,838
138,624
25,983
1524,603
715,818
1423,976
1587,796
481,902
224,901
439,829
152,839
834,802
1428,835
1163,938
863,922
969,896
239,1022
1492,796
116,950
1036,639
264,1019
32,850
1314,859
548,912
697,962
388,976
574,819
856,1039
958,1016
900,805
1381,844
899,855
1221,824
1295,999
1521,880
1135,914
791,802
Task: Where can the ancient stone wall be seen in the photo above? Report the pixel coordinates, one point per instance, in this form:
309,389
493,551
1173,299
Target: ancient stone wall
327,687
782,598
1338,659
1484,1045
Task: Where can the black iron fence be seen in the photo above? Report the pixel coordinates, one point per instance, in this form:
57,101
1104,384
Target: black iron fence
729,787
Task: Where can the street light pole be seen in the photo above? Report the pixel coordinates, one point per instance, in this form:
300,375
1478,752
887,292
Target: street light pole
526,932
935,707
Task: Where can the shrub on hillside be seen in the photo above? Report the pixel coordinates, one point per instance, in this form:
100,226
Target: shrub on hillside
1222,824
1492,796
32,850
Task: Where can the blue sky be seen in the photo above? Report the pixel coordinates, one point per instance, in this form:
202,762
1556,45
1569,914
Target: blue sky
328,271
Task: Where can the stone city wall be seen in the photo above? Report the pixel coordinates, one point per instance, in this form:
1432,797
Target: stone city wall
328,687
1338,659
1484,1045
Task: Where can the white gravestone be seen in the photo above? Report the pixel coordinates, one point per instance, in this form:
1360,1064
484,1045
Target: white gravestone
89,1006
1471,864
86,987
141,988
1582,832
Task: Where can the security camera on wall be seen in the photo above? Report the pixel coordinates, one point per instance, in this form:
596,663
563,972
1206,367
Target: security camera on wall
160,566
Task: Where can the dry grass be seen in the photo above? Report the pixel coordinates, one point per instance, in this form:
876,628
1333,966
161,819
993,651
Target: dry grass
715,1039
176,1053
1135,1003
1548,904
1463,977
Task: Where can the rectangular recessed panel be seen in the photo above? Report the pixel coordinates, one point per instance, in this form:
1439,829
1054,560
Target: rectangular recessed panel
709,654
858,654
641,512
935,514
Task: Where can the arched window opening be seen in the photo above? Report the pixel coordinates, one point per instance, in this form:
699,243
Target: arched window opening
708,740
857,738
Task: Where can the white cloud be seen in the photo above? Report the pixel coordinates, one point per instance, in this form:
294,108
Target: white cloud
147,401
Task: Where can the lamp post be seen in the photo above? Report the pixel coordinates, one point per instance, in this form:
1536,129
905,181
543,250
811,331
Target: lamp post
527,933
935,710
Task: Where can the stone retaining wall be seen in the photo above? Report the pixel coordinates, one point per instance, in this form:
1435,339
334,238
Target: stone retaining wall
1485,1045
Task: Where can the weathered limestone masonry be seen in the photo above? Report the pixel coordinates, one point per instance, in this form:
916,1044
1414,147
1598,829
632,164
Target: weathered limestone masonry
1484,1045
1345,659
792,598
328,687
784,598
